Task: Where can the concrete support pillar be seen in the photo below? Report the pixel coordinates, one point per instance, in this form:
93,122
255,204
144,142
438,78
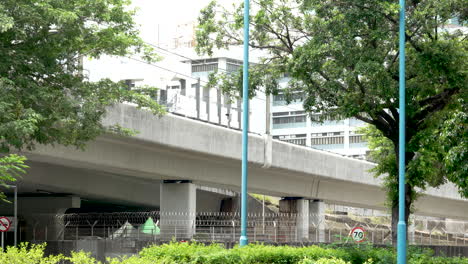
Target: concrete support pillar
41,216
317,219
302,220
299,208
178,209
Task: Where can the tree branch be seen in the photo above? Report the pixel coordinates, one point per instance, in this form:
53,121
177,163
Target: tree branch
432,104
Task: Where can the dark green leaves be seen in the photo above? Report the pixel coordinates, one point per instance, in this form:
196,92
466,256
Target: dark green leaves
11,167
44,96
343,57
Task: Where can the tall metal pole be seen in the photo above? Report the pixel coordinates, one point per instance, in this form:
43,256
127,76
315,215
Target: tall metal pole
245,127
197,98
401,235
263,215
15,220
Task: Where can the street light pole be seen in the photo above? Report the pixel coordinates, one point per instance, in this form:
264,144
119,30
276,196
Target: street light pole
401,235
15,212
15,215
245,128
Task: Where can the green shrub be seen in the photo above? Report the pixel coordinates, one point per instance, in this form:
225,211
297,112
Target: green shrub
323,261
27,253
82,258
197,253
425,259
180,252
136,260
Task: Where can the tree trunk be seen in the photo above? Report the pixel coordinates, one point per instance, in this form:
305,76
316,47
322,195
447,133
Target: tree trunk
396,214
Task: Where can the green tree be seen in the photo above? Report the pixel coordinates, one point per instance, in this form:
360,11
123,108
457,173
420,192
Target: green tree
11,167
343,57
44,96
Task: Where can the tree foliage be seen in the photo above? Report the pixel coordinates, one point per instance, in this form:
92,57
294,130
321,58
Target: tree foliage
343,56
44,96
11,168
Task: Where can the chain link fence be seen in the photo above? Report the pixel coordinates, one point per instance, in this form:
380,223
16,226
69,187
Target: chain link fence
225,227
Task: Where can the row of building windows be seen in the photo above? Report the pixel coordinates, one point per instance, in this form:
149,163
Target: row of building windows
290,136
327,134
327,138
325,119
292,119
289,119
206,65
281,99
314,118
233,65
356,139
298,139
289,113
209,65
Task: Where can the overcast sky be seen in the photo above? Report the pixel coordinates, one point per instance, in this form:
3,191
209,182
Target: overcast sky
167,14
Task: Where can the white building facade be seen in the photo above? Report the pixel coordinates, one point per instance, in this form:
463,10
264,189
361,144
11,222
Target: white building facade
292,124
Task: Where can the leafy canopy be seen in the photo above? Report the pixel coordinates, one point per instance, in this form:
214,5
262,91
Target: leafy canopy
44,96
343,57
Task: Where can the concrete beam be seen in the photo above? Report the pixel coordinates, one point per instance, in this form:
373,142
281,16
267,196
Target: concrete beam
90,183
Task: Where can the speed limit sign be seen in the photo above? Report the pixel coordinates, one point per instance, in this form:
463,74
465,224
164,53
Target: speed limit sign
358,234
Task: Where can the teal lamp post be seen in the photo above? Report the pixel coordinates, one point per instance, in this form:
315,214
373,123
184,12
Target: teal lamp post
245,128
401,235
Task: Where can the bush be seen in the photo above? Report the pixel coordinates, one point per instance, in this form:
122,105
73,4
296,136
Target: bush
27,253
197,253
180,252
323,261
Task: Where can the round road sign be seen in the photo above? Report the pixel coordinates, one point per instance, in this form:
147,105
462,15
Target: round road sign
4,224
358,234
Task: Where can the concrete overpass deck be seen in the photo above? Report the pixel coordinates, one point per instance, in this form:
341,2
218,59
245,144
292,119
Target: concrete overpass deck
172,147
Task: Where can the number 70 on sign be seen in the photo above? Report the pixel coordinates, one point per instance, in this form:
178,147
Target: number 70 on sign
358,234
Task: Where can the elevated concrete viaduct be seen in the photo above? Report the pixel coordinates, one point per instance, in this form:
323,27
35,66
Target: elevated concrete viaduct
142,169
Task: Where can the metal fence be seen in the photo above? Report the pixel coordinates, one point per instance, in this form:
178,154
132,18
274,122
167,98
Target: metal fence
225,227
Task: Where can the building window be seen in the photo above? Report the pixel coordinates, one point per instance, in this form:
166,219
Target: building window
163,97
298,139
289,119
233,65
328,140
206,65
280,99
131,83
357,140
183,87
326,120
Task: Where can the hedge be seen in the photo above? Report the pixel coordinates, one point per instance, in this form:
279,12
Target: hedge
196,253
